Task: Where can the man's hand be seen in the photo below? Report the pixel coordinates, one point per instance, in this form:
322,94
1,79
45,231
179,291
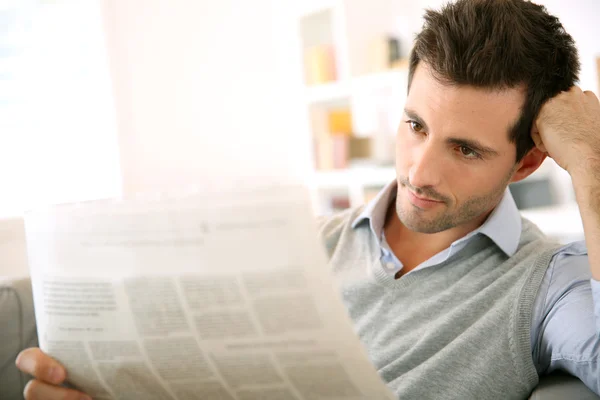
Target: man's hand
48,374
568,129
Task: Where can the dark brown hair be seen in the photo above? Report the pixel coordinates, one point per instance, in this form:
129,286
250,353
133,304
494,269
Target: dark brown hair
499,44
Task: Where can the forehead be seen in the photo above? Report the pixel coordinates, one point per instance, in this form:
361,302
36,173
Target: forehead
464,110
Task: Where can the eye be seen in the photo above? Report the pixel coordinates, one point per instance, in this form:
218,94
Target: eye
467,152
414,126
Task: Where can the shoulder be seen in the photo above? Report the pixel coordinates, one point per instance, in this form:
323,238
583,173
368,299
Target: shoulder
331,228
571,255
573,249
569,267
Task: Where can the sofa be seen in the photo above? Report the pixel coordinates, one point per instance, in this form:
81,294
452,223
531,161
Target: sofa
17,332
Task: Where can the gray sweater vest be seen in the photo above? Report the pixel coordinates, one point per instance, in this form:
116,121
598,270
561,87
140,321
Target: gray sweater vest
457,330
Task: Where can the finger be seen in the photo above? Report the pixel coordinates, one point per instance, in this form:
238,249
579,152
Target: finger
35,362
38,390
537,139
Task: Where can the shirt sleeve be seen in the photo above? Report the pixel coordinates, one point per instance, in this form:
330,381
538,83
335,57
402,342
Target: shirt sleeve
566,318
596,296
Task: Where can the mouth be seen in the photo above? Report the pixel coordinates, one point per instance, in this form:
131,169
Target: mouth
422,203
424,198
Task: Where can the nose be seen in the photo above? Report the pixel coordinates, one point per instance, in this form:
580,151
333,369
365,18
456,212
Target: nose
426,168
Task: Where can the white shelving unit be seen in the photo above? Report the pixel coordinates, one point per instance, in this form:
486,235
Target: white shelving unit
327,92
347,88
346,25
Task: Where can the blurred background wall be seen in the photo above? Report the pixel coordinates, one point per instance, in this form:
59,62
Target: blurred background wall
104,98
203,90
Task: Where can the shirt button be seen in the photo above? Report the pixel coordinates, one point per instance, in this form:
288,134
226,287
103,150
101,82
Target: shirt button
390,266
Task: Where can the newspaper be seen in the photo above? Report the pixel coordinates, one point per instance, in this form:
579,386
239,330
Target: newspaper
221,296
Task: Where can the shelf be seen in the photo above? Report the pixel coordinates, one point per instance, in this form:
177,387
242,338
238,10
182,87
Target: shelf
353,181
327,92
335,91
356,176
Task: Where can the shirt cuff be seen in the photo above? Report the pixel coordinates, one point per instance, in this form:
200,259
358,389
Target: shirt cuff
596,296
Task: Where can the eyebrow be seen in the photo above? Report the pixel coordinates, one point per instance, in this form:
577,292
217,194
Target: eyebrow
456,141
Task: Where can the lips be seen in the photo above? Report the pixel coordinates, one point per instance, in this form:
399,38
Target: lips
425,199
421,202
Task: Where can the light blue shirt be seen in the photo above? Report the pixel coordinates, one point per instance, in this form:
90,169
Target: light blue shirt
565,327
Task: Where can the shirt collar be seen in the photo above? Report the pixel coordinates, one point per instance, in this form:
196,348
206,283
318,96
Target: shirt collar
503,226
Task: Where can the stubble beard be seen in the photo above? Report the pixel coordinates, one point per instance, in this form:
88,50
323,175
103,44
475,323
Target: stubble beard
416,219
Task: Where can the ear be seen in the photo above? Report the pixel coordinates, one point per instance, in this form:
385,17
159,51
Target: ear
531,162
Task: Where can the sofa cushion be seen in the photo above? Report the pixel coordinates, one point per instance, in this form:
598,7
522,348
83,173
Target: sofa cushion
559,386
17,332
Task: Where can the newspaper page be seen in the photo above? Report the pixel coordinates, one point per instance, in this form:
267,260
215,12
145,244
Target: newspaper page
221,296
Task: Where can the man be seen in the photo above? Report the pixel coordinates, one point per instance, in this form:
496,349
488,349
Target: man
451,292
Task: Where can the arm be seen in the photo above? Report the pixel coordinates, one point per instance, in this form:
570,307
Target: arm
587,192
564,332
567,128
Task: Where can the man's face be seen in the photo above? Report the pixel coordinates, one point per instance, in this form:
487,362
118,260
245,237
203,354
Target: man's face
453,156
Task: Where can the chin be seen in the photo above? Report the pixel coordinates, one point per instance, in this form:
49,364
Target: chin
428,227
417,223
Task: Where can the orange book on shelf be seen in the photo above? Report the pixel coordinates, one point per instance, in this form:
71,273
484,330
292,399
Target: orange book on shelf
340,122
319,62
